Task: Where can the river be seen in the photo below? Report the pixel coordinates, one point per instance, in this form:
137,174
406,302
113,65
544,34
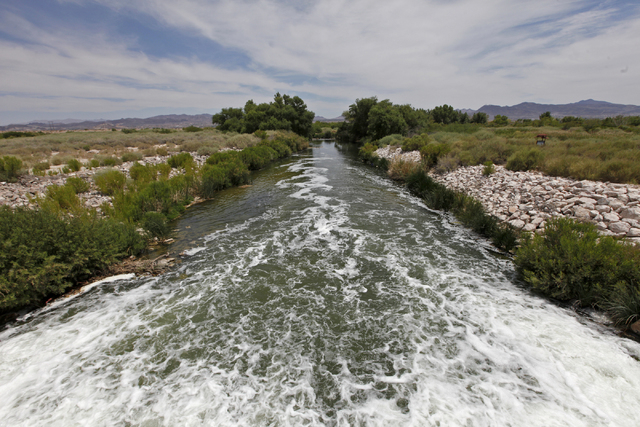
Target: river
323,294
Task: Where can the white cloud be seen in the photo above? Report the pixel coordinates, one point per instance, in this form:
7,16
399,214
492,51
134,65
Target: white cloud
465,53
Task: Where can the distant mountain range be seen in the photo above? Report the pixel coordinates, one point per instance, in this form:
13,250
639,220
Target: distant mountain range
325,120
165,121
526,110
587,109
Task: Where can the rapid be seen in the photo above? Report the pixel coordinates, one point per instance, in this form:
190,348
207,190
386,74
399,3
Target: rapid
323,294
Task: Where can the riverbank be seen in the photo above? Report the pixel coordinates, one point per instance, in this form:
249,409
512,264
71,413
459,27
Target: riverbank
59,238
564,233
527,200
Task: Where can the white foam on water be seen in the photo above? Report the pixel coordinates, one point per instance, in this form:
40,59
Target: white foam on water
337,308
194,251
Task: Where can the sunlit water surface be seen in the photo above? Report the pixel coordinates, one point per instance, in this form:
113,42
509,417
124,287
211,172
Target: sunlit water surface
322,295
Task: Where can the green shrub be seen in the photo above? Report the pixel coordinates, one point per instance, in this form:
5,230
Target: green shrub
131,156
162,151
393,139
94,163
41,166
79,185
623,305
74,165
61,198
65,169
129,131
192,129
257,157
489,168
469,211
222,156
156,225
143,174
415,143
279,147
110,181
44,254
432,152
571,261
10,168
223,175
180,160
368,152
525,160
164,131
110,161
242,141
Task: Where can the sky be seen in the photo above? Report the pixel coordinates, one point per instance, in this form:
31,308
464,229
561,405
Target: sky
91,59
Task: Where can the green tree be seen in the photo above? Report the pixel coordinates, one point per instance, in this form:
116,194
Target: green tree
385,119
479,118
356,125
444,114
229,119
284,113
501,120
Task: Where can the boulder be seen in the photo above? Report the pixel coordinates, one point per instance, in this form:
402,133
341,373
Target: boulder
631,213
610,217
587,201
582,213
518,224
615,204
633,232
619,227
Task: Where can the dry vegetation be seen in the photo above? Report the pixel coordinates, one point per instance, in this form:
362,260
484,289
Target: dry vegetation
60,148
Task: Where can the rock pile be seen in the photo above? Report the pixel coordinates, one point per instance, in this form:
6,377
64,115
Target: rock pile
527,200
396,153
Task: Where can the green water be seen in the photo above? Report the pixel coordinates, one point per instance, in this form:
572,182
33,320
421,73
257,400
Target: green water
323,294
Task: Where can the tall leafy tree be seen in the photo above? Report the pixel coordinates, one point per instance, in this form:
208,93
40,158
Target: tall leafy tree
283,113
445,114
386,119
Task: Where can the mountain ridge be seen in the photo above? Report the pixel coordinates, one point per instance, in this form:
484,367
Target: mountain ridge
588,108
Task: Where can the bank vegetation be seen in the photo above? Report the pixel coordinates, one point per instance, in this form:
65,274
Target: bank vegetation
568,261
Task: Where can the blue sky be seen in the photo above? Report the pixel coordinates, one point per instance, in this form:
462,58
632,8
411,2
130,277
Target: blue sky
92,59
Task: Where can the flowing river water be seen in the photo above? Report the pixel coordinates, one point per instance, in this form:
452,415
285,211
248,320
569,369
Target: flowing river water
324,294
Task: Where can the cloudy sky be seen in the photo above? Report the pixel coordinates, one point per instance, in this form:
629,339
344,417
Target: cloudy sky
139,58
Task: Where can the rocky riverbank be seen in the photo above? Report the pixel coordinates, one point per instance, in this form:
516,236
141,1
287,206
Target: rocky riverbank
527,200
23,192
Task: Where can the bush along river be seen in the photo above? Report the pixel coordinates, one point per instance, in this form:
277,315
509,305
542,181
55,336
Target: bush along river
324,294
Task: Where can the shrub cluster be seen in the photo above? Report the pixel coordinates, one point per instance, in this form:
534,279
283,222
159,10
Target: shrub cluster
47,251
469,211
43,253
570,261
10,168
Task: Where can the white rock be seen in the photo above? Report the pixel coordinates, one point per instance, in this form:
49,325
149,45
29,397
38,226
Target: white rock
516,223
631,213
615,204
610,217
619,227
633,232
581,213
587,201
